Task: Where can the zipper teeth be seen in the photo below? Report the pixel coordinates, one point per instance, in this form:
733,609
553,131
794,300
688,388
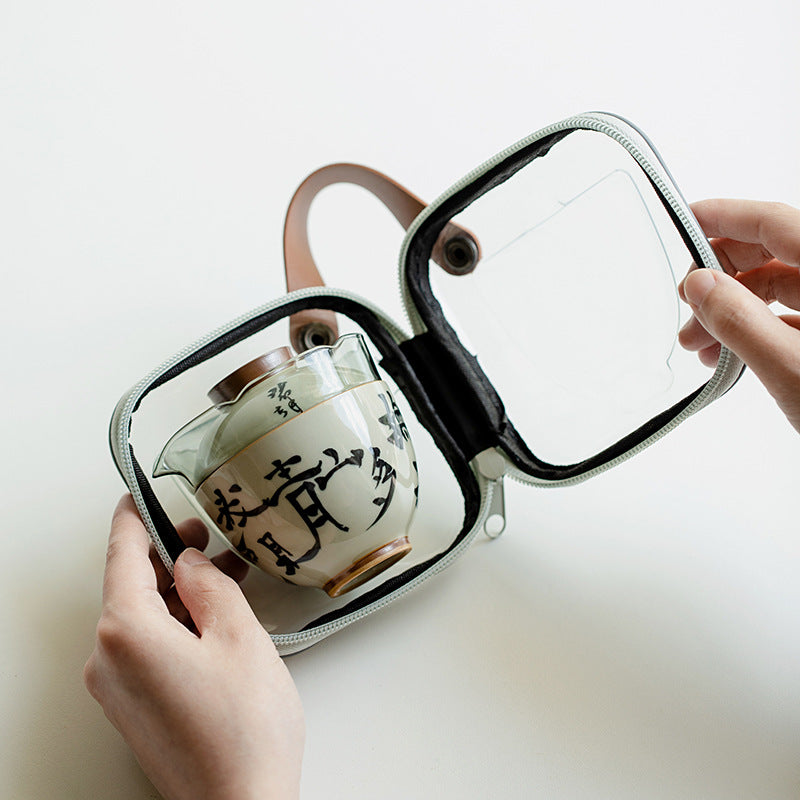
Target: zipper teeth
708,394
286,641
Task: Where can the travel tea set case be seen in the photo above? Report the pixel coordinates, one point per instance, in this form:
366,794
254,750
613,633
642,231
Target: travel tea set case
541,298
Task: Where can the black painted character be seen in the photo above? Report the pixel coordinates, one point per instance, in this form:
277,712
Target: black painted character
245,551
302,490
393,420
382,472
280,391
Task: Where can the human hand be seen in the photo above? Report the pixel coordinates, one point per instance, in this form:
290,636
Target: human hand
758,246
209,714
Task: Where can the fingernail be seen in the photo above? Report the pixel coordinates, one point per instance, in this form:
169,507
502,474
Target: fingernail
192,557
691,269
698,284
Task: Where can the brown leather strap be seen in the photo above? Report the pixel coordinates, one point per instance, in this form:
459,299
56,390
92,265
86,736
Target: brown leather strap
313,327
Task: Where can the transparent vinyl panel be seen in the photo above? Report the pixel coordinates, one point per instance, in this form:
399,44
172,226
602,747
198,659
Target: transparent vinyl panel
281,607
573,309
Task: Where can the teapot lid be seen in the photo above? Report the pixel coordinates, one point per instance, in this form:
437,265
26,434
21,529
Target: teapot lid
230,387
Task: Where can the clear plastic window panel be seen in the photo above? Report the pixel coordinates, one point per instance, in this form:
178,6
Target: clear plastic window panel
573,310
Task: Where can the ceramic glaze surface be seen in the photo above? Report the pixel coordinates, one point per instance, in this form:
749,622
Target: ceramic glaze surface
266,402
321,491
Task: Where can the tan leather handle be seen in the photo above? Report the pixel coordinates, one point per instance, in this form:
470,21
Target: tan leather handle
456,249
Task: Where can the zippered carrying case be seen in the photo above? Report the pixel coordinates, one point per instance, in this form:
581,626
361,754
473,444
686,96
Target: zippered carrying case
560,257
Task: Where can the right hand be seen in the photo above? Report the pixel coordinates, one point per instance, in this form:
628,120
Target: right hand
758,246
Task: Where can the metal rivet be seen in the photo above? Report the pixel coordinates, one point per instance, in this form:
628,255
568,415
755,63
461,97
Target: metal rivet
460,255
315,334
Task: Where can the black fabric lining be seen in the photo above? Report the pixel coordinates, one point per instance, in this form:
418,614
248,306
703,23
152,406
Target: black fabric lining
418,279
519,454
397,365
166,530
476,424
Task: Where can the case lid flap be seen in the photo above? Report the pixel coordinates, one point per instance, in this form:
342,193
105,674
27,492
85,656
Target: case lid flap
566,312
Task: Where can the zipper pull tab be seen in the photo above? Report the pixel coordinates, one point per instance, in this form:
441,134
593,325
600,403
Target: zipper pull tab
493,466
495,523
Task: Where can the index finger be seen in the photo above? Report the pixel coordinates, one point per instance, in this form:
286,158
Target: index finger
774,225
129,573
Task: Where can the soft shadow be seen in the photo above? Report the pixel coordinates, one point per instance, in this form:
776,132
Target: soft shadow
635,687
62,737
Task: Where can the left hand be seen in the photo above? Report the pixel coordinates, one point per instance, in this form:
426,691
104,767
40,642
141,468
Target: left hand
209,714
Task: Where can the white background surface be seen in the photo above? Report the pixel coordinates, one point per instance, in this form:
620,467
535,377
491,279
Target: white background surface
634,637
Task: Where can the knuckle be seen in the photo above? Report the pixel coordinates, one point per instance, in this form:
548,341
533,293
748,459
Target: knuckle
782,209
224,591
783,220
772,211
115,549
91,676
729,321
765,254
113,636
786,390
775,208
216,582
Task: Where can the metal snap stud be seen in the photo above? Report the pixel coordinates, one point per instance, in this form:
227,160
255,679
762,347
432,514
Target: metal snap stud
315,334
460,255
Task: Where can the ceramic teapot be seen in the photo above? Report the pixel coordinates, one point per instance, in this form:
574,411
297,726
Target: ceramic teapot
304,465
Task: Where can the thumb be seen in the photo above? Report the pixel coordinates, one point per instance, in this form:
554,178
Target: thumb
214,601
742,322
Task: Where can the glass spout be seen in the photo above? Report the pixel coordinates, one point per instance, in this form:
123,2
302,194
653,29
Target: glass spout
181,454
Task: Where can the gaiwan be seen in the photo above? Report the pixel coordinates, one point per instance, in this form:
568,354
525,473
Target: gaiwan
305,466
